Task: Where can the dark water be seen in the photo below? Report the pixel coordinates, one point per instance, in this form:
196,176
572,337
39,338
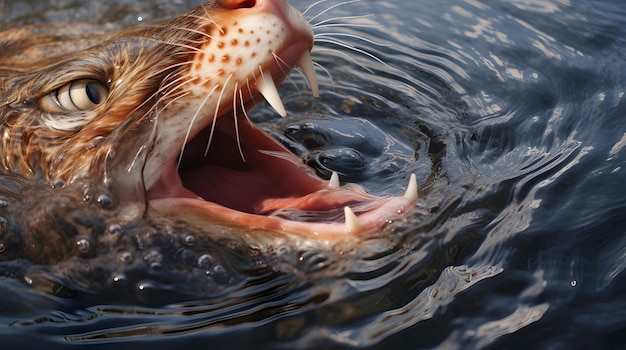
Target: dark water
513,116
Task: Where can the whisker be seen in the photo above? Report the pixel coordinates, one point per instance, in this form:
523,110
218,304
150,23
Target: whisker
355,49
332,83
354,36
193,119
331,8
250,91
281,63
236,121
341,18
204,34
184,46
217,108
207,17
243,107
348,57
312,6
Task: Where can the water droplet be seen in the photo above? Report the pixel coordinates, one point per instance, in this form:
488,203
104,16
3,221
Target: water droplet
58,183
115,229
105,201
219,274
314,261
3,248
153,256
189,240
126,257
283,250
145,286
205,261
119,278
83,245
3,204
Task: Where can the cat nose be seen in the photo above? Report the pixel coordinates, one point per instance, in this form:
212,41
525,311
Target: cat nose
238,4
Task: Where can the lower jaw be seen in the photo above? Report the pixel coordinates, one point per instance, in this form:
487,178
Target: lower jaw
211,217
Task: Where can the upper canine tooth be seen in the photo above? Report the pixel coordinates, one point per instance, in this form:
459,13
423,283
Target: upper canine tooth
267,88
411,191
352,222
306,64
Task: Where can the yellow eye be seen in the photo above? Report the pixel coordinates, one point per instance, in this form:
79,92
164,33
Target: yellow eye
79,95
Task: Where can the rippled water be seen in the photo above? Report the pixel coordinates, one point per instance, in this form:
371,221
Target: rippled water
513,116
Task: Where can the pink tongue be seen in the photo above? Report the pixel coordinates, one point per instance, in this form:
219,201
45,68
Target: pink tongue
265,178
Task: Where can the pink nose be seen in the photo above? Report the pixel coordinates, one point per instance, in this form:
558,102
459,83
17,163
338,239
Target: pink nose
238,4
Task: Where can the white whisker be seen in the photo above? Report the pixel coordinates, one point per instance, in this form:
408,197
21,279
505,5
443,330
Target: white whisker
332,83
193,119
341,18
331,8
215,114
355,49
281,63
354,36
184,46
236,121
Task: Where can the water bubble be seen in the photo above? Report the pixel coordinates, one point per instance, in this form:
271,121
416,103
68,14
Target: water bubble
314,261
83,245
145,286
156,266
218,272
126,257
119,278
3,223
58,183
283,250
115,229
205,261
153,256
189,240
105,201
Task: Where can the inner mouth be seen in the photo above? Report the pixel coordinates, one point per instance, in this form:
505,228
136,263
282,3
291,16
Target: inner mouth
250,172
234,174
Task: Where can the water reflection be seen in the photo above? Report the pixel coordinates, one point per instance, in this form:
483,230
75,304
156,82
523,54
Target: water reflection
510,113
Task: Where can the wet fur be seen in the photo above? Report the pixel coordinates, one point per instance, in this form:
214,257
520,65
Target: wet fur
34,63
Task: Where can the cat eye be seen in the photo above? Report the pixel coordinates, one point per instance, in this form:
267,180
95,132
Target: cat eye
79,95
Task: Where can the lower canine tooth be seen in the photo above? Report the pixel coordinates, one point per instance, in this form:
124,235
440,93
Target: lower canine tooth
352,222
267,88
411,191
334,180
306,64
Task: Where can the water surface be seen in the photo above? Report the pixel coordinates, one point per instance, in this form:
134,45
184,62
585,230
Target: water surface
513,116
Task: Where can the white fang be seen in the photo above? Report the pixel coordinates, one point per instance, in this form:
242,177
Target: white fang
267,88
334,180
352,222
411,190
306,64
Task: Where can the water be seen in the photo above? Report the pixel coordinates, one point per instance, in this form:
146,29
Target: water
511,113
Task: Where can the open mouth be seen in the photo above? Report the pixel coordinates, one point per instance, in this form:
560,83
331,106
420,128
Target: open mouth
232,174
244,178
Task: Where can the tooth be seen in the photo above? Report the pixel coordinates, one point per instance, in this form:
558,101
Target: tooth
352,222
267,88
334,180
411,191
306,64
